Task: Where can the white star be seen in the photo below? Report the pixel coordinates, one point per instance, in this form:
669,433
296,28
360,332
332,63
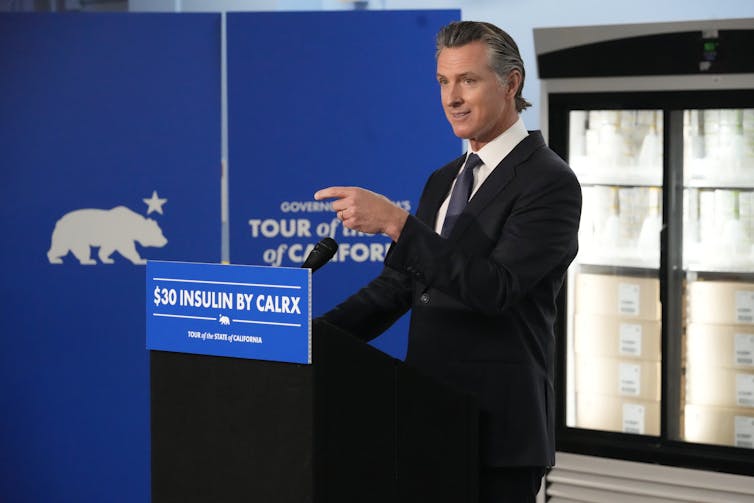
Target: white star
154,203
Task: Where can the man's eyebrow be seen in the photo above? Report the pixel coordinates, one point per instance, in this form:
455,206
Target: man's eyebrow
460,76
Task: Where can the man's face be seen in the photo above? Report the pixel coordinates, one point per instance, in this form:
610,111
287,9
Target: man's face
478,106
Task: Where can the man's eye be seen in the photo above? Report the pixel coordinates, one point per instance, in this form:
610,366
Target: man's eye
468,81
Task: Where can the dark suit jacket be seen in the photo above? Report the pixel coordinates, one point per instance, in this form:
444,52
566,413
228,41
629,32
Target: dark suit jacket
483,301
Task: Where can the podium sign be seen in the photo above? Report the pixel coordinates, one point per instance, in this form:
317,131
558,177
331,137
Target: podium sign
261,313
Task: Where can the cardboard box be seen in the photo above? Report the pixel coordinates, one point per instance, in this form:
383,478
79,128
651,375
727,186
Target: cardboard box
719,425
719,386
720,302
635,379
626,296
610,413
617,337
722,346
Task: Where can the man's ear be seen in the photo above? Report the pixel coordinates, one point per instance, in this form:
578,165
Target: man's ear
513,83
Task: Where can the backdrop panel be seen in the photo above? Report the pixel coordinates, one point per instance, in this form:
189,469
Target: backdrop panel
110,149
330,98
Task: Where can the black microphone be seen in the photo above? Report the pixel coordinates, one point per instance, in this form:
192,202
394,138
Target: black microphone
322,252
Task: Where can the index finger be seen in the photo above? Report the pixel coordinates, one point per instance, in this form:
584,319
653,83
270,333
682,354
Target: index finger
331,192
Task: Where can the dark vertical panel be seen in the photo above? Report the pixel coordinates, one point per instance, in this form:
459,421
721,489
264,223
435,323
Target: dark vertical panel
230,429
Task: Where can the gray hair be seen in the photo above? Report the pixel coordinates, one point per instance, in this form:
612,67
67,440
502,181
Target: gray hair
502,49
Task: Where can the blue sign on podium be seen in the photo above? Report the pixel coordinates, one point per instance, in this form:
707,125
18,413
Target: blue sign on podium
262,313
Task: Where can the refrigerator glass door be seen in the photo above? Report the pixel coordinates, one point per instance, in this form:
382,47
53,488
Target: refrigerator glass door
614,316
718,323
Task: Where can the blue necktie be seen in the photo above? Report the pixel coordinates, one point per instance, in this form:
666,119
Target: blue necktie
460,195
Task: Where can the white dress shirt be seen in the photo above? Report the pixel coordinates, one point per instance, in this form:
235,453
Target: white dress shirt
491,155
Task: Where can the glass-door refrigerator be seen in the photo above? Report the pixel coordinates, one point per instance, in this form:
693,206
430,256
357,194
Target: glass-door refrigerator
656,333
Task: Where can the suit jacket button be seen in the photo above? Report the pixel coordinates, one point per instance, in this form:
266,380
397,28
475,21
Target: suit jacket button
424,299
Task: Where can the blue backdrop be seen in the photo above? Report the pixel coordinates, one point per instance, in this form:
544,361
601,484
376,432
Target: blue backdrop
330,98
110,155
96,112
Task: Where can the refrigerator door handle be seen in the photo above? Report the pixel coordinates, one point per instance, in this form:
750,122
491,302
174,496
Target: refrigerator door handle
663,262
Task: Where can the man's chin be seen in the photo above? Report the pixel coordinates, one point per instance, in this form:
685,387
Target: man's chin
462,133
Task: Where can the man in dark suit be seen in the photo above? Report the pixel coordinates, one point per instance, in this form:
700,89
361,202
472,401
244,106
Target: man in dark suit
481,279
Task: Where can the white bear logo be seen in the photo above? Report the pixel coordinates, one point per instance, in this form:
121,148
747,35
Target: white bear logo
112,230
224,320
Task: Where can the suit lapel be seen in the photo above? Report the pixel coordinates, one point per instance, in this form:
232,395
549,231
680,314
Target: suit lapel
500,177
437,191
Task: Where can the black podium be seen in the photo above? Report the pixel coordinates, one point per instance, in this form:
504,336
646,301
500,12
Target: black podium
356,426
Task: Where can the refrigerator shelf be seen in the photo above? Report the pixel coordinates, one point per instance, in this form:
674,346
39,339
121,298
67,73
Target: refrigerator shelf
626,177
635,262
736,268
742,183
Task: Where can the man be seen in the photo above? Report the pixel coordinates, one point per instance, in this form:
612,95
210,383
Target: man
481,280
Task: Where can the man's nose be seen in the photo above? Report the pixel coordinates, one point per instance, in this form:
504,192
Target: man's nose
453,97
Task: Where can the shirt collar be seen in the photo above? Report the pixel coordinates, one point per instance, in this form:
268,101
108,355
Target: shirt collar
496,150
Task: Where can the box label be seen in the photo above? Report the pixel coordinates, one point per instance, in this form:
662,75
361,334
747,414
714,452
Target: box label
630,339
633,418
629,379
745,306
261,313
744,349
628,298
744,431
745,390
